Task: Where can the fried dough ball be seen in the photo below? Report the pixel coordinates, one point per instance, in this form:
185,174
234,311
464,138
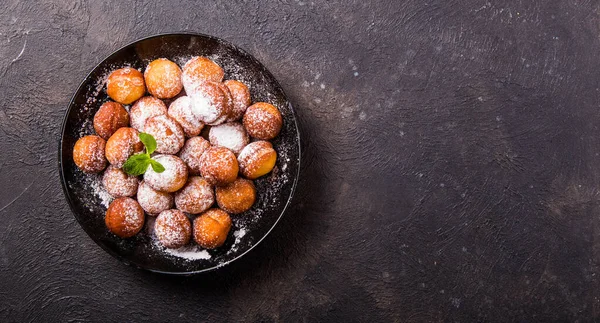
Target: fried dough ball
228,106
173,229
192,151
167,132
153,201
122,144
172,179
257,159
211,102
118,183
124,217
198,70
144,109
88,154
218,166
181,111
211,228
236,197
110,117
263,121
231,135
241,99
195,197
125,85
163,78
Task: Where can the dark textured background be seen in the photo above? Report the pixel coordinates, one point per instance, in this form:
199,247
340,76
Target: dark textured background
450,170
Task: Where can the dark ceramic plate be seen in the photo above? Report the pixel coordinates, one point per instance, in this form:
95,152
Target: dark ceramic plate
274,190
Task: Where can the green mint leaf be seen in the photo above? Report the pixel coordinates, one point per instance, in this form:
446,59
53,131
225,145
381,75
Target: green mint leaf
156,166
137,164
149,142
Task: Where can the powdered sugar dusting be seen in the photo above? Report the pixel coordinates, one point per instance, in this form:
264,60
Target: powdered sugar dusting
168,82
195,197
172,228
175,173
181,111
238,235
144,109
117,183
152,201
229,135
167,132
191,152
99,191
189,253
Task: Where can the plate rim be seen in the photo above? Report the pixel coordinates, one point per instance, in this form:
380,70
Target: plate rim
71,106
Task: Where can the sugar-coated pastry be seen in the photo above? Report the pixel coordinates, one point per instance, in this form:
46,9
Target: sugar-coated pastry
125,85
211,228
236,197
89,154
144,109
172,178
263,121
198,70
122,144
153,201
181,111
231,135
163,78
241,99
110,117
118,183
124,217
167,132
191,153
257,159
173,229
195,197
218,166
211,102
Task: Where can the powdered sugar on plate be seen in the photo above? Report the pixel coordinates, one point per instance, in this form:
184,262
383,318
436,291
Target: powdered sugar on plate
189,253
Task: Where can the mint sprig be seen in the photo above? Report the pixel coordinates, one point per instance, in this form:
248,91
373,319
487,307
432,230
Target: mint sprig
138,164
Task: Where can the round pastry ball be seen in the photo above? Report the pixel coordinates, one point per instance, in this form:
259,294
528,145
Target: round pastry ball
198,70
263,121
167,132
88,154
173,229
122,144
211,228
231,135
211,102
163,78
125,85
172,179
181,111
118,183
124,217
195,197
144,109
218,166
257,159
153,201
192,151
241,99
228,105
110,117
236,197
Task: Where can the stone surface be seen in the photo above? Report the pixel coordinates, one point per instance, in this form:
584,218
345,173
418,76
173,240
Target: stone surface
450,165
